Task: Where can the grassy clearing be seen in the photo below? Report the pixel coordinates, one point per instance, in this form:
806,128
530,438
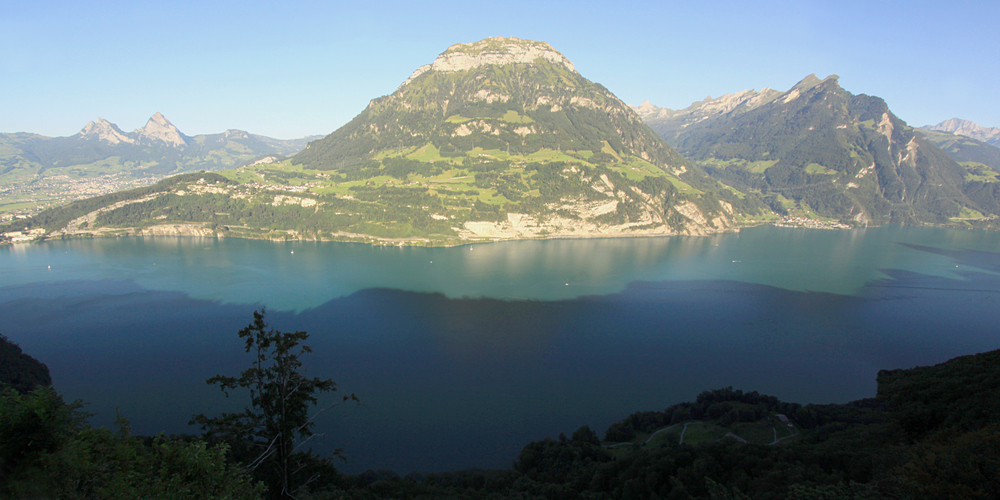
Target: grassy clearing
816,168
512,116
703,432
611,151
759,167
671,436
682,186
968,213
637,169
783,430
755,432
545,155
426,153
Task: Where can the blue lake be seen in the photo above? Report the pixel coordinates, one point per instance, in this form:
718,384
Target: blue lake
463,355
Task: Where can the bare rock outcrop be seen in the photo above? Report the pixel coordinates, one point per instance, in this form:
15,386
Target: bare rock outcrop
494,50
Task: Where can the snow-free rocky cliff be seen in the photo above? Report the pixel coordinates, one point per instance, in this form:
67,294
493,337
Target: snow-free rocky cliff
493,51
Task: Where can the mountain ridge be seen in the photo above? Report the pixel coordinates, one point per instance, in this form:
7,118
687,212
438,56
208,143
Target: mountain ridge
819,149
38,171
957,126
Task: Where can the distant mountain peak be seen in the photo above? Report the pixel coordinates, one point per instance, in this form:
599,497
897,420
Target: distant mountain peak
967,128
807,83
159,128
106,131
236,133
159,118
700,110
493,51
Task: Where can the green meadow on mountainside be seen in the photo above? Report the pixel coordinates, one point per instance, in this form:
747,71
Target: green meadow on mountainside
496,140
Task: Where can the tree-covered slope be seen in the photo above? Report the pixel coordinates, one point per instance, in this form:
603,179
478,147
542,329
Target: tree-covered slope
19,370
931,432
824,151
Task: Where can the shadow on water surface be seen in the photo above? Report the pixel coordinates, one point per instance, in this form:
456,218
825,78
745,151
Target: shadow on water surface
987,261
449,383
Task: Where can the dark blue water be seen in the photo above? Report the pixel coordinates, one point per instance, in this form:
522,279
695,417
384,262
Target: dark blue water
457,366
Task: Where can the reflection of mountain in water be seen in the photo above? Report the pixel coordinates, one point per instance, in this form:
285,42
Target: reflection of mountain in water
453,383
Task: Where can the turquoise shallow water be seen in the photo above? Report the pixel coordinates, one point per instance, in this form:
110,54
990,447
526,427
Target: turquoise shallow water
300,275
463,355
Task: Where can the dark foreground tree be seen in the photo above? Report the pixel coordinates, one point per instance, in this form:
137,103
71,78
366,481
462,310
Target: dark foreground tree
47,450
272,430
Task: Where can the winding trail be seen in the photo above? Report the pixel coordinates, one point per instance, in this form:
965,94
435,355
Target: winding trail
685,429
734,436
627,443
778,440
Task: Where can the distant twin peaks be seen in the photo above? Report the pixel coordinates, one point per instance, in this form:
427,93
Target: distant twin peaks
157,129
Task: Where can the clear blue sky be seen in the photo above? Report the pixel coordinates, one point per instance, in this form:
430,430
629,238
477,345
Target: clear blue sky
296,68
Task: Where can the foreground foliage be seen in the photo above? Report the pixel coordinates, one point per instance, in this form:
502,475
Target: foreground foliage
931,432
20,371
270,433
48,451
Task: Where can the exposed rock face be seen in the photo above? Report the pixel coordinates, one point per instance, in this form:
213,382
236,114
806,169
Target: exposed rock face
497,51
106,131
158,128
957,126
178,230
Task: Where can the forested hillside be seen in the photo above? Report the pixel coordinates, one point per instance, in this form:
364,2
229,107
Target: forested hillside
819,150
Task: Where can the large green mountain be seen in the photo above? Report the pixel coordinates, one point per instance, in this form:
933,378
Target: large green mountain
496,139
517,96
38,171
566,155
824,151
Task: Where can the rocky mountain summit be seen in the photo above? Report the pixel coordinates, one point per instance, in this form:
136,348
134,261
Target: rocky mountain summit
157,129
990,135
496,51
105,131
